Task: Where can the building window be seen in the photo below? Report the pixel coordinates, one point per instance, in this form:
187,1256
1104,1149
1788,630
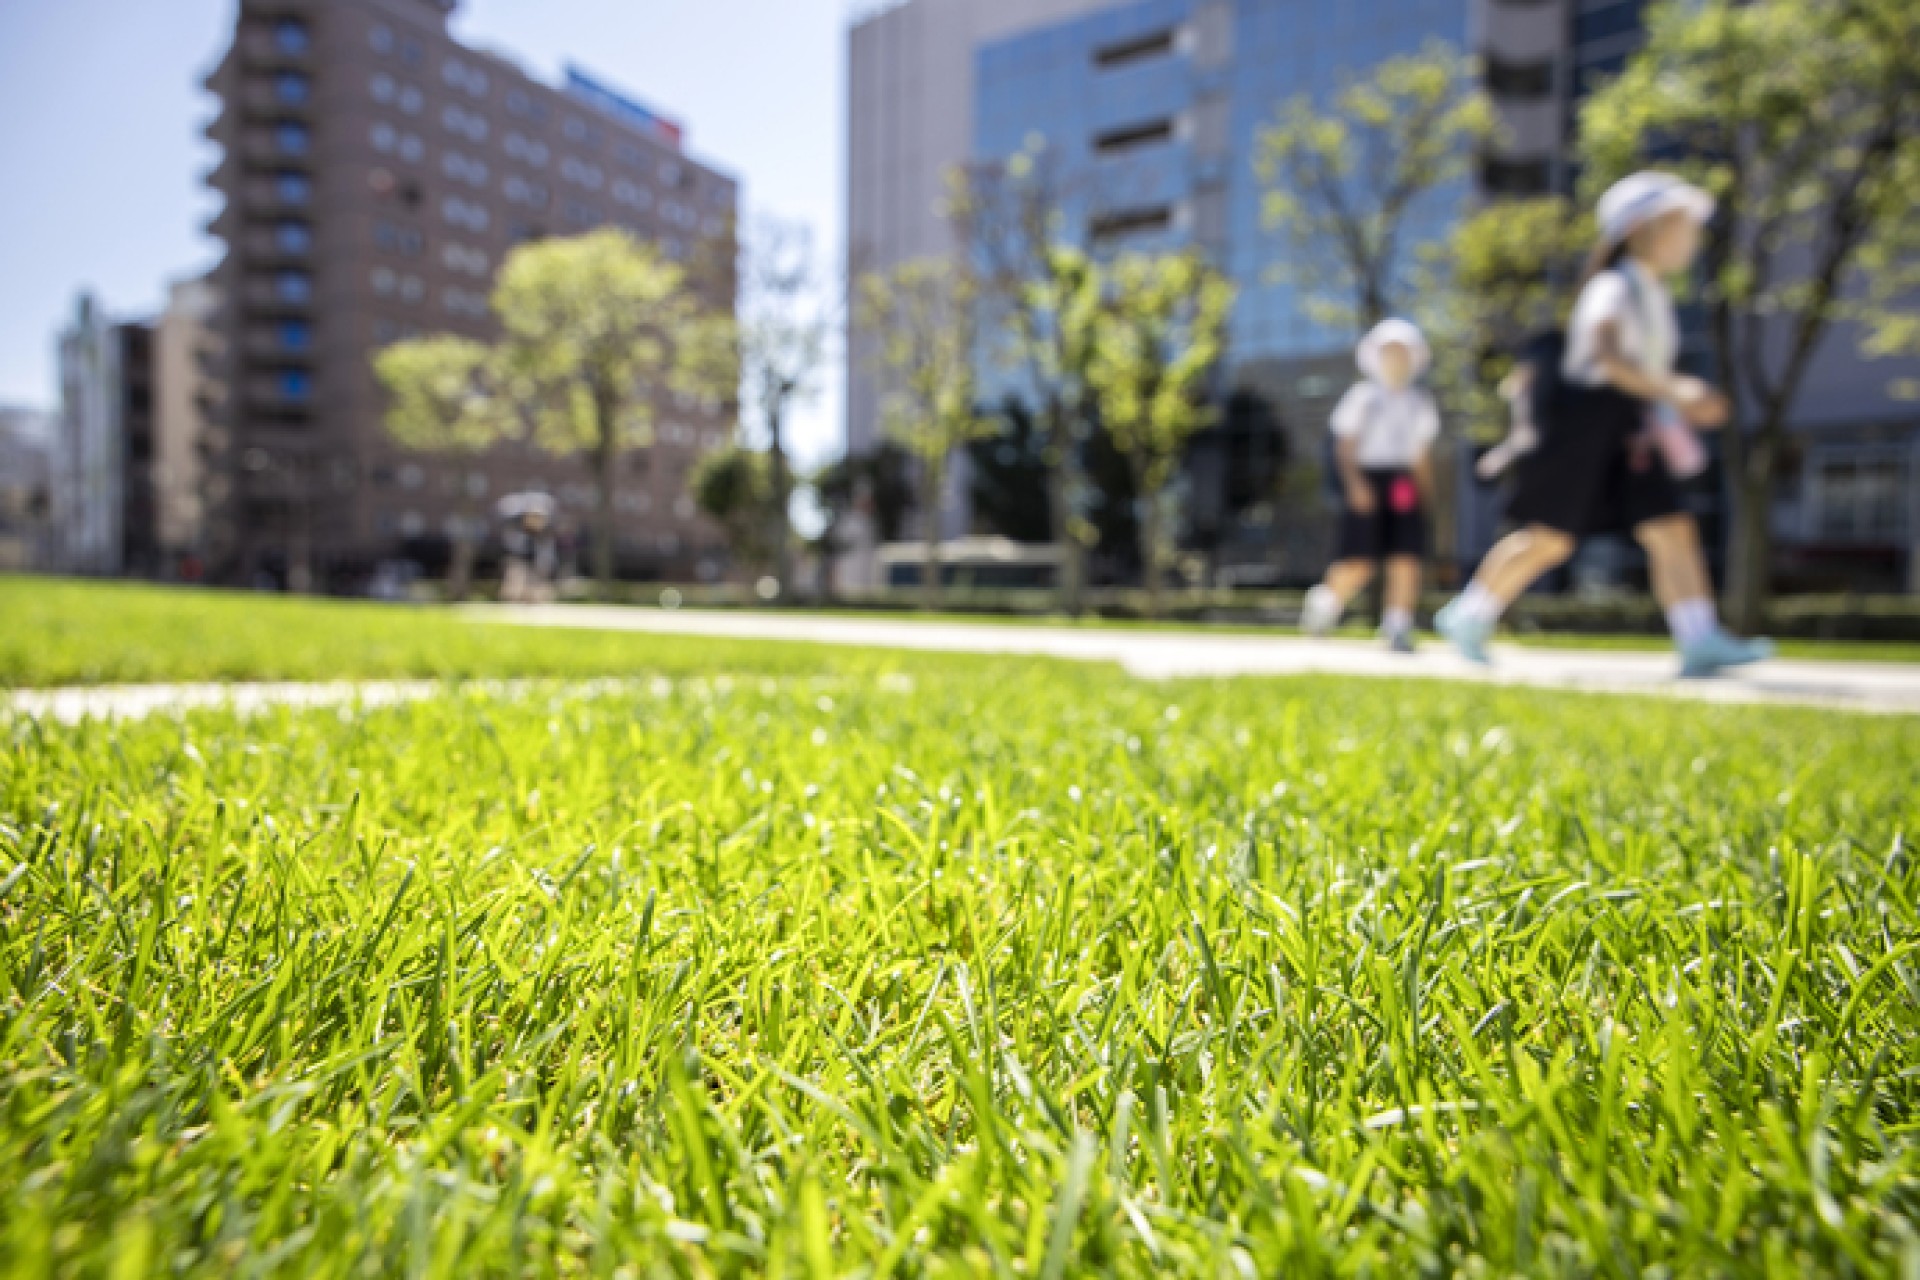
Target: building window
290,36
412,52
631,194
581,217
295,335
384,281
1607,21
292,139
1859,497
296,384
466,123
520,191
412,101
671,173
464,213
382,87
1124,223
394,238
381,38
293,188
465,302
464,168
384,137
587,175
291,89
1133,137
412,150
293,237
459,257
293,286
1529,81
1158,44
575,128
412,289
1515,177
528,150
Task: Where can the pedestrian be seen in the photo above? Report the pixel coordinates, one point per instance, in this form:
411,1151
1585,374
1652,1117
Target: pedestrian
1615,423
1383,430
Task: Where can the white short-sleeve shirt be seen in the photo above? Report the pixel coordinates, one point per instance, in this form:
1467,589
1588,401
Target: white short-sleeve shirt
1392,429
1637,304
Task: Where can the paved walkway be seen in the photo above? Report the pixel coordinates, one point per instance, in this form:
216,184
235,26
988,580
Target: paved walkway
1857,686
1854,686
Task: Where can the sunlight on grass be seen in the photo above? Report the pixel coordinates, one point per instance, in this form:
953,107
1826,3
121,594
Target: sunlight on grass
923,973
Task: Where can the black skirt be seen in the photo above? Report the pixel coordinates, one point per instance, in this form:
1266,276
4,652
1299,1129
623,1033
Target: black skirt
1582,478
1397,525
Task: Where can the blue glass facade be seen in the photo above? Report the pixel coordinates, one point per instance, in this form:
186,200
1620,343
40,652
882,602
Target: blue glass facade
1103,89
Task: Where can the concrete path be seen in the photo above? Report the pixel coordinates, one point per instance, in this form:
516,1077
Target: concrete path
1855,686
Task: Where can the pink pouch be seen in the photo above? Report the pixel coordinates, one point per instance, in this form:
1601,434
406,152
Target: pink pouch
1680,449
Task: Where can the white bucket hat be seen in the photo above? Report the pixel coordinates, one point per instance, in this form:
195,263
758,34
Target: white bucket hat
1634,201
1403,332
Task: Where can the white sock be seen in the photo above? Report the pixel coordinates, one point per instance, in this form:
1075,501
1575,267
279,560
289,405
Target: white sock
1692,621
1396,622
1324,607
1477,604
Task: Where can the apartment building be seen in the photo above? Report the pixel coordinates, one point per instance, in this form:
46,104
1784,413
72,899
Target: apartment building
376,171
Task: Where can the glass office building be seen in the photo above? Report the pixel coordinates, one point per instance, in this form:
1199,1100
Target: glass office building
1153,111
1151,114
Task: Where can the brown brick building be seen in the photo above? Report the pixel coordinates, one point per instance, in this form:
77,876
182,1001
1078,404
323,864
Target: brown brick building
375,173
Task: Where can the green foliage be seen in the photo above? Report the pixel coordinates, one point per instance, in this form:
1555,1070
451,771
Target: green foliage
590,325
734,487
960,969
1342,179
1160,333
923,319
1803,118
440,394
595,331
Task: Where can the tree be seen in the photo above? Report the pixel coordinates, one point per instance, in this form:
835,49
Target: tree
922,313
1343,183
442,398
1161,332
593,327
1045,295
770,353
1506,274
1803,119
734,486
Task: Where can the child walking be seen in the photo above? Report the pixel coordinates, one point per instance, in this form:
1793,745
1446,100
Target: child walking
1383,429
1615,429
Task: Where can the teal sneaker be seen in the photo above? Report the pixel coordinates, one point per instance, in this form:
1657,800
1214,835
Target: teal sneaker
1720,651
1468,636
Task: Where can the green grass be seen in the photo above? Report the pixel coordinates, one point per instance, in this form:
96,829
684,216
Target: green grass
55,632
917,972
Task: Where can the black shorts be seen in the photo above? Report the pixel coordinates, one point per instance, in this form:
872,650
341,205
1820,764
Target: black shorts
1397,525
1581,479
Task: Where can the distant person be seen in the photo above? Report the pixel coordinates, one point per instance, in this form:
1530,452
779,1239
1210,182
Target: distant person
1383,429
532,555
1615,426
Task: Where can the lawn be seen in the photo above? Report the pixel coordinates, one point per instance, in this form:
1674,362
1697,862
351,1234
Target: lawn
934,966
55,632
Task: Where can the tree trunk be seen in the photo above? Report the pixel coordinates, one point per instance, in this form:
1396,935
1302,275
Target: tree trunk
1062,472
606,462
1147,496
782,497
1750,555
935,477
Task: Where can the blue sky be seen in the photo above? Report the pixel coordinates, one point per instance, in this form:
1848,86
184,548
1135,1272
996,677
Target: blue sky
101,158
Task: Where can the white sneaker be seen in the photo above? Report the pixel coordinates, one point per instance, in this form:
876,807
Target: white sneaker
1322,611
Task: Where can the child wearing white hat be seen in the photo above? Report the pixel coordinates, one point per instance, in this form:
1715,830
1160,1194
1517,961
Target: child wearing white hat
1615,431
1383,429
